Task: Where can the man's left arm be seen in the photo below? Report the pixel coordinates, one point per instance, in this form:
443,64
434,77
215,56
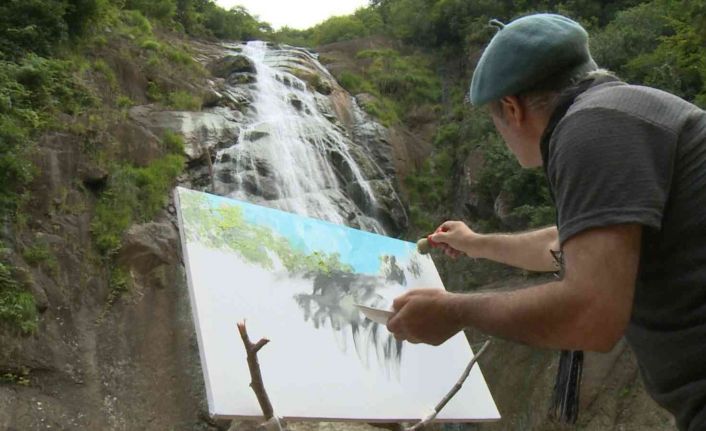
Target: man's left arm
587,310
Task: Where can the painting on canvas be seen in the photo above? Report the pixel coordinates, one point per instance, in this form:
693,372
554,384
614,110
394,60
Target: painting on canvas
296,281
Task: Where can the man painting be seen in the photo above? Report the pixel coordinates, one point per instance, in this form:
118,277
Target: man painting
627,168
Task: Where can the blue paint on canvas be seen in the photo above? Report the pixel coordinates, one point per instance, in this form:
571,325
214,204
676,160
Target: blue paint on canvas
357,248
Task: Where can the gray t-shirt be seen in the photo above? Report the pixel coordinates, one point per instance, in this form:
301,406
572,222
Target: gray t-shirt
631,154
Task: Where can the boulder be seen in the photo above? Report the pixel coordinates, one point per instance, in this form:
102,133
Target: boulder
242,78
375,138
202,131
226,66
365,99
148,246
389,209
296,102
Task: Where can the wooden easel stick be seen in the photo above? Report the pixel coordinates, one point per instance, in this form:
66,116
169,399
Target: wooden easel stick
427,420
255,374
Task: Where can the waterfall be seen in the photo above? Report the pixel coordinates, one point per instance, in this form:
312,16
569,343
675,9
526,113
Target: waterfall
291,152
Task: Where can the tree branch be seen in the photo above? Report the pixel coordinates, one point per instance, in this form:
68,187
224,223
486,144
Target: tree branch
427,420
255,374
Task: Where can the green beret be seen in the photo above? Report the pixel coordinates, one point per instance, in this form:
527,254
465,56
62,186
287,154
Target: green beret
527,52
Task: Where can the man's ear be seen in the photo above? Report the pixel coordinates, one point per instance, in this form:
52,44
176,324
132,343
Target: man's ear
513,110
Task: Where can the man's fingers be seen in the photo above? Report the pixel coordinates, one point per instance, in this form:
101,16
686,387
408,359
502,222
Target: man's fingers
448,224
439,237
398,337
401,300
395,327
440,234
413,340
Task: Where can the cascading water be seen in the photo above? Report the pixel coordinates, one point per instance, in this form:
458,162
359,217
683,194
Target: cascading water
290,154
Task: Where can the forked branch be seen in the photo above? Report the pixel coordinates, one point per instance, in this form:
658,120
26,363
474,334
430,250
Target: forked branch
255,374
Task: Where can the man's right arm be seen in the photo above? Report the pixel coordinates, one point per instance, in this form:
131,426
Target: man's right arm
527,250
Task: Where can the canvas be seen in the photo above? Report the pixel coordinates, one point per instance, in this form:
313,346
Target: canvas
296,280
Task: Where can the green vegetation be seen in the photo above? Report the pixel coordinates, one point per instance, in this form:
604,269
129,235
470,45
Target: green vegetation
17,306
16,377
224,227
183,101
660,44
41,255
396,81
364,22
203,18
37,253
135,194
32,92
119,283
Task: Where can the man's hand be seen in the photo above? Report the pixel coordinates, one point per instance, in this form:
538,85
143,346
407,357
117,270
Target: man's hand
424,316
527,250
455,239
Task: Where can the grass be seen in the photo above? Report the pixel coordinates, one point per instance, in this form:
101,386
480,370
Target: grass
183,101
173,142
40,255
151,45
37,254
16,377
397,82
17,306
100,66
135,194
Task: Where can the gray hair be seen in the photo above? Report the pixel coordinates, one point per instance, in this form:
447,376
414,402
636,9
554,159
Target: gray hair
544,96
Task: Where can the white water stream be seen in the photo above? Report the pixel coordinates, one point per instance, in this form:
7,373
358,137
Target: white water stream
284,155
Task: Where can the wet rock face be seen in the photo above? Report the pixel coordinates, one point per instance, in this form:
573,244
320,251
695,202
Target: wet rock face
97,363
230,64
202,131
149,246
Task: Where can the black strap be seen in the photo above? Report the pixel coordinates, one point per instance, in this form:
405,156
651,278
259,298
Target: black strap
567,387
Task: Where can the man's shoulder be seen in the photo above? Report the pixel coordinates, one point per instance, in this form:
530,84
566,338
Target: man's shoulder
636,102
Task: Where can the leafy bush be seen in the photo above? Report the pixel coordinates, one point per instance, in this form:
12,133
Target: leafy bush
233,24
364,22
398,83
31,93
339,28
39,26
351,82
17,306
527,188
173,142
150,44
37,253
407,79
137,24
102,67
183,101
178,56
162,10
135,194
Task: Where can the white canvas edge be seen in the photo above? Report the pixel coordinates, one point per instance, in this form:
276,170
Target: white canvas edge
209,392
192,297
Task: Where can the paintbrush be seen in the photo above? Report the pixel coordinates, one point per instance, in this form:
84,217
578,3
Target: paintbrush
425,245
